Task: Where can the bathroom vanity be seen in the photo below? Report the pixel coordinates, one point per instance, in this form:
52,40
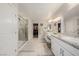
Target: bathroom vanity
64,38
62,45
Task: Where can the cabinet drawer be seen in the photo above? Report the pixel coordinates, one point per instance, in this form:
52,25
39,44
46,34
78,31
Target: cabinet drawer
64,52
68,47
60,48
55,47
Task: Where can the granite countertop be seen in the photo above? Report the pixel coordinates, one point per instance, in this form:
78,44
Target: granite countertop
73,41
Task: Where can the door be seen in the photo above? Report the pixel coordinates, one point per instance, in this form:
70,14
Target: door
35,30
59,27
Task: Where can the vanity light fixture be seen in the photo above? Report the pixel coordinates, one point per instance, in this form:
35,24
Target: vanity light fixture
57,19
54,20
50,21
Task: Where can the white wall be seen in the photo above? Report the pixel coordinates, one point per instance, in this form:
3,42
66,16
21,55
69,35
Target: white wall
8,29
71,20
30,29
71,26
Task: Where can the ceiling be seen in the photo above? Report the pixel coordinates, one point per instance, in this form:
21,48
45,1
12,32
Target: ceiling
38,11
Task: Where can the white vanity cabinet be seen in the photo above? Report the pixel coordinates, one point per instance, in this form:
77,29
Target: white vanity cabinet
61,48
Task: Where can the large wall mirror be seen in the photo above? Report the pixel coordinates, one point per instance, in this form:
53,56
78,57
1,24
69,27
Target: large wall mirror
22,31
72,27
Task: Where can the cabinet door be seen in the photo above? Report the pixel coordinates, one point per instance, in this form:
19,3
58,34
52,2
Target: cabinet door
58,49
69,48
55,47
64,52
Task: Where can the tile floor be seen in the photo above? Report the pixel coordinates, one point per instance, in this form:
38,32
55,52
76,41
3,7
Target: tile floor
34,47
